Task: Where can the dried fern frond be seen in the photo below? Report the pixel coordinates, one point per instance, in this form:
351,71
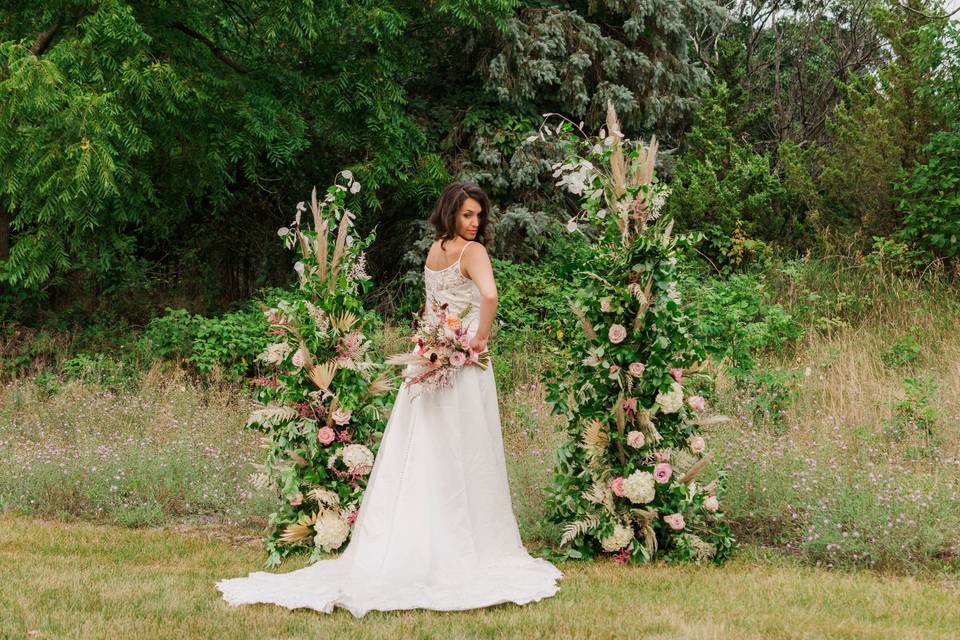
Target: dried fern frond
271,415
322,374
600,493
324,497
299,530
578,527
595,436
647,300
637,292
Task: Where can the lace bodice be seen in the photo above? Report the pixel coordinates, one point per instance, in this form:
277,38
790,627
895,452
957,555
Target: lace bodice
451,286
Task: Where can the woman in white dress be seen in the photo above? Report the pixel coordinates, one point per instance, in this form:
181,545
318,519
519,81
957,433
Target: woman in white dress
435,528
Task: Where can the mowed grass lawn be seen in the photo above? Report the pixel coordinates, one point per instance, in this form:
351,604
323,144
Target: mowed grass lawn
81,580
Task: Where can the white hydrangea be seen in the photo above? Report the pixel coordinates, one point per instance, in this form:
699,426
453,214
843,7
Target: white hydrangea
639,487
617,540
331,530
355,455
671,401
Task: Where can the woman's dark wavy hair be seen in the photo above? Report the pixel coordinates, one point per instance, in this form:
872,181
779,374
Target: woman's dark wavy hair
447,208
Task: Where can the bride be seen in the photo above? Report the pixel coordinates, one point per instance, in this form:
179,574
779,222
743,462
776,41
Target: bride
435,528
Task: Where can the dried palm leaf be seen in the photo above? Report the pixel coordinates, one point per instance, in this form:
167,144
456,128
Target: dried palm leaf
299,530
344,321
578,527
322,374
594,440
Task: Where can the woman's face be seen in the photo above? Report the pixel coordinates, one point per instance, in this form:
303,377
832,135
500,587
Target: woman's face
468,220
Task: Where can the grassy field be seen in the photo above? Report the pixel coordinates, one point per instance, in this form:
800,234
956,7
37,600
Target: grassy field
80,580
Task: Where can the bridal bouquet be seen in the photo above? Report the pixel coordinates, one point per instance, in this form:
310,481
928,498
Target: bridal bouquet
443,348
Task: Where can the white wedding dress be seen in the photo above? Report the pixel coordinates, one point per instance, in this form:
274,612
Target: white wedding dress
435,528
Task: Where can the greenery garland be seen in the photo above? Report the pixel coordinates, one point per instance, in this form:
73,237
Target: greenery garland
322,408
625,481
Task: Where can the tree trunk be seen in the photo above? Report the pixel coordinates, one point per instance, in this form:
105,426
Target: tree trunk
4,232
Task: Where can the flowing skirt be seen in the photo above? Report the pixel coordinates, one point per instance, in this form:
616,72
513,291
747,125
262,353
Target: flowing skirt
435,527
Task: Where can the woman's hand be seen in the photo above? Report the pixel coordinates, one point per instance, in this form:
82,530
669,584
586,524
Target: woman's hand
478,344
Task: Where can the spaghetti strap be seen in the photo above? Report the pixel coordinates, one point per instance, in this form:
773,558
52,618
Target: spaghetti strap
460,266
464,249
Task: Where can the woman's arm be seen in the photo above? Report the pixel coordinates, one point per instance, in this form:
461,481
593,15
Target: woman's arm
476,266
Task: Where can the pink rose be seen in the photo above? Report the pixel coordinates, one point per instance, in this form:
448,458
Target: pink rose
617,333
614,372
711,504
662,472
661,456
326,435
295,499
458,359
636,369
341,416
605,305
697,403
677,374
616,485
465,340
675,520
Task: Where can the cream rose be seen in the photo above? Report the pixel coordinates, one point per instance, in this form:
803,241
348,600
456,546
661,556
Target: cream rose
635,439
617,333
675,520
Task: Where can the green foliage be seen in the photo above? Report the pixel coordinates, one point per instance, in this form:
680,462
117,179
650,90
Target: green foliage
738,320
622,389
726,190
917,416
321,407
929,198
903,351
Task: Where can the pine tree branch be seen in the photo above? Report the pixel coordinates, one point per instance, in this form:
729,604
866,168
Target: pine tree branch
43,40
214,49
